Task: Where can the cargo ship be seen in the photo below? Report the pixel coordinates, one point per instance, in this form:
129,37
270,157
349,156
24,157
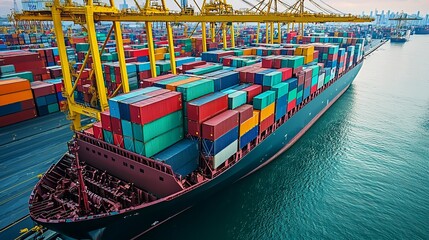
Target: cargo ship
421,30
103,189
400,36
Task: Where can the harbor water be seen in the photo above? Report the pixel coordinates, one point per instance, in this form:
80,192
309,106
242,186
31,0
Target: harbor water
361,172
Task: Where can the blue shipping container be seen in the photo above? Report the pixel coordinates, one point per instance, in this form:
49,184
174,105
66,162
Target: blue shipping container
249,136
180,154
213,147
281,107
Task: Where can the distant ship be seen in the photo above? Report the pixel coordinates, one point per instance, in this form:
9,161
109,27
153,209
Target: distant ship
421,30
400,36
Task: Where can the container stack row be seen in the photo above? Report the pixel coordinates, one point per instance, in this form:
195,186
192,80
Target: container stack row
16,101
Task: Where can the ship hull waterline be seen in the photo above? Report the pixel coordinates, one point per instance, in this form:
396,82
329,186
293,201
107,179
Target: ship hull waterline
134,223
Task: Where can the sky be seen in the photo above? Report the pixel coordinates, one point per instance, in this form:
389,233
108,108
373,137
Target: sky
346,6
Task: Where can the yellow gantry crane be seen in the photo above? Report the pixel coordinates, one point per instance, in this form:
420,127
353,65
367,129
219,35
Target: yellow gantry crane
212,12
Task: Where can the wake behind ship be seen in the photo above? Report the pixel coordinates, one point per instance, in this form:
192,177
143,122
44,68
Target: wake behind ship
163,148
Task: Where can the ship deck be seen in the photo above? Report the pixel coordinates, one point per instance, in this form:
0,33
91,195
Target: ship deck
29,148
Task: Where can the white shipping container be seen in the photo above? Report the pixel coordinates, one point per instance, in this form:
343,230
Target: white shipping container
226,153
321,80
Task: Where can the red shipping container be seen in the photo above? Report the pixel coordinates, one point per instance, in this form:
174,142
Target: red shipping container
297,70
89,132
267,63
27,104
332,57
189,66
301,78
316,54
200,113
150,81
308,72
116,125
220,124
313,89
144,75
105,120
265,88
194,128
307,83
42,88
131,60
242,75
286,73
277,63
85,74
17,117
291,105
118,140
266,123
252,91
151,109
227,61
98,130
245,112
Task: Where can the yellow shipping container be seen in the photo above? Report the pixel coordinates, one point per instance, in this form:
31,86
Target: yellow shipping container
249,123
298,51
266,112
160,50
308,50
173,86
308,58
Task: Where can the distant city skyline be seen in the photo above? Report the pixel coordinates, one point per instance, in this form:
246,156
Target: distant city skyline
348,6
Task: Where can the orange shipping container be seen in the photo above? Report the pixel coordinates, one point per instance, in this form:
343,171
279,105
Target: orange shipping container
14,85
247,51
15,97
173,86
159,56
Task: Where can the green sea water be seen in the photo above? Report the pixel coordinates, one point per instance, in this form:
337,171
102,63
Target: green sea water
361,172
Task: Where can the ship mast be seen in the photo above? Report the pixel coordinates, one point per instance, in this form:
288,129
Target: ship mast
83,197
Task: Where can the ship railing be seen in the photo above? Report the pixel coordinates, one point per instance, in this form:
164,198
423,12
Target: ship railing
160,166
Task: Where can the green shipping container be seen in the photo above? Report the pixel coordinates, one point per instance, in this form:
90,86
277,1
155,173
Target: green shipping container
196,89
53,108
281,89
162,142
25,75
295,61
264,99
291,95
315,69
137,131
272,78
108,136
129,144
127,128
237,99
209,69
299,94
162,125
314,80
82,47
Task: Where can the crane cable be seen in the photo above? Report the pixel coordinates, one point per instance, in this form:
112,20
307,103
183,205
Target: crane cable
332,7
